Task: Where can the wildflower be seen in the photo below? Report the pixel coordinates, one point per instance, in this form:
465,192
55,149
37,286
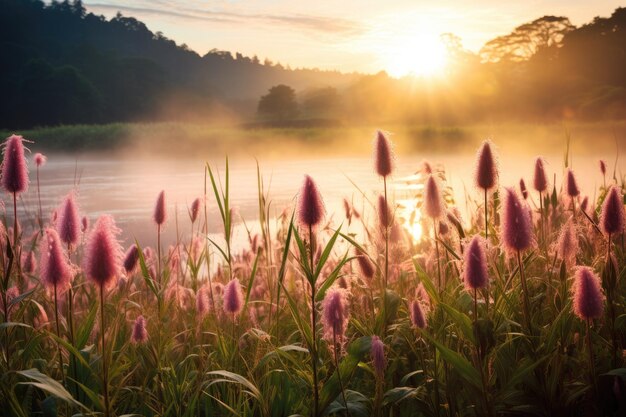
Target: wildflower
40,159
202,302
131,259
160,214
29,263
567,244
517,233
233,299
602,167
384,213
523,189
588,298
540,180
383,155
365,265
486,168
571,186
140,333
378,356
475,275
195,209
85,224
612,215
68,225
434,205
418,319
14,169
103,253
335,315
56,271
311,207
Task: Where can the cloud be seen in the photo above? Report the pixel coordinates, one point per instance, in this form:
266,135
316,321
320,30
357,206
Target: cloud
322,24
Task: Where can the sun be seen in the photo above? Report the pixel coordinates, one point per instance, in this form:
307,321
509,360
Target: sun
420,55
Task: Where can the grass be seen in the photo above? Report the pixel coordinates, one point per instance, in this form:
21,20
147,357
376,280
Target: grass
509,351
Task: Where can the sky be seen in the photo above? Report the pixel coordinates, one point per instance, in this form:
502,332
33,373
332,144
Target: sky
347,35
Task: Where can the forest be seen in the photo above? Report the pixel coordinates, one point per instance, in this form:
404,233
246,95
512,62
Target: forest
67,66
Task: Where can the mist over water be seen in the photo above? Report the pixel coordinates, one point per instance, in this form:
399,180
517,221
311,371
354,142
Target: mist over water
127,188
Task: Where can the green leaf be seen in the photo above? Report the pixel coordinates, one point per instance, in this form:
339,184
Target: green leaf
460,364
326,253
461,320
49,385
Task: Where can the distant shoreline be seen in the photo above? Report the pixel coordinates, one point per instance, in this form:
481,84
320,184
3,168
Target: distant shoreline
261,139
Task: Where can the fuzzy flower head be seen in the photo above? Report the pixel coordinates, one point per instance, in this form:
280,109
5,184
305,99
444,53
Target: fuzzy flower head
160,213
29,263
384,213
69,222
475,273
103,253
567,244
54,267
587,294
131,259
195,209
379,361
40,159
140,333
233,298
310,204
202,302
14,168
603,167
540,180
571,185
612,215
486,176
418,317
517,231
383,155
434,206
523,189
365,265
335,315
84,224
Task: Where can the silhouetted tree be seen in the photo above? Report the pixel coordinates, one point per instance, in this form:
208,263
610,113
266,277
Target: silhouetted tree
279,103
527,39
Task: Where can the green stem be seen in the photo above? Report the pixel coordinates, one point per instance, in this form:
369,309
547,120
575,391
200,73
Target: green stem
105,376
313,327
56,318
525,295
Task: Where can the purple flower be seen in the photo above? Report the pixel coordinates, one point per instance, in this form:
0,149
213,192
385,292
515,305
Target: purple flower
14,169
475,274
587,294
612,215
103,253
310,205
517,232
384,156
486,168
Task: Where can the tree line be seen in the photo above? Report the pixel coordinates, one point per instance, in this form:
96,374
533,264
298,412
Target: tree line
63,65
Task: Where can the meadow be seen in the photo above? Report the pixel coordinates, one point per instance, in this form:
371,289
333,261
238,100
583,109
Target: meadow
508,303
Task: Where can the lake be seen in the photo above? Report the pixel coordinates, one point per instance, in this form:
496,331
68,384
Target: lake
127,187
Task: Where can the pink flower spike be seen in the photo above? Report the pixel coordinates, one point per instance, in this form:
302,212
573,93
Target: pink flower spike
587,294
383,155
103,253
14,168
310,205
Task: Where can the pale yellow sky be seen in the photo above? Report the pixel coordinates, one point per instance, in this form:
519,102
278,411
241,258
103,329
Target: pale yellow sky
347,35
